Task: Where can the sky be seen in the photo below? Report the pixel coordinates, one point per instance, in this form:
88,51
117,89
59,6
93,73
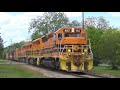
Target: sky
14,25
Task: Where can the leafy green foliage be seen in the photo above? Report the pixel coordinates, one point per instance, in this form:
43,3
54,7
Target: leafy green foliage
74,23
105,42
111,48
94,35
14,46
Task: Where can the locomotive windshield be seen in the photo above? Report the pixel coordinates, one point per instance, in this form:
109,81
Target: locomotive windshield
72,34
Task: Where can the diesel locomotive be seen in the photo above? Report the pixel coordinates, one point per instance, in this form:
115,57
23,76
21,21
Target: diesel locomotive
67,49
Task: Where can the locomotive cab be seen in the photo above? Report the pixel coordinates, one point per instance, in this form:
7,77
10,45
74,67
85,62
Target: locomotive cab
71,36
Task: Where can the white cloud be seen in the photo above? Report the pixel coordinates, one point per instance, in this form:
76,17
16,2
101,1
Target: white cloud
73,14
33,14
15,27
4,17
22,20
9,34
114,13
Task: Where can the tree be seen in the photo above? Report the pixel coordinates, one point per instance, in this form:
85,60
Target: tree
35,35
49,22
97,22
1,47
110,48
18,45
94,34
74,23
14,46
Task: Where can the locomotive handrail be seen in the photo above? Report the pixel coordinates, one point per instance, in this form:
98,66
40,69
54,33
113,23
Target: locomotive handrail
90,49
71,46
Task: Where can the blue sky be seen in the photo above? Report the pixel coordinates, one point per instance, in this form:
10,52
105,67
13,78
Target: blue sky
14,25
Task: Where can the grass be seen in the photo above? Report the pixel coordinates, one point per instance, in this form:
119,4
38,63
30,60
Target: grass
15,71
4,61
104,70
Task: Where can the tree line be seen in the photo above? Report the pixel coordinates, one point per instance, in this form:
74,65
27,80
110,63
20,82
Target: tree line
105,42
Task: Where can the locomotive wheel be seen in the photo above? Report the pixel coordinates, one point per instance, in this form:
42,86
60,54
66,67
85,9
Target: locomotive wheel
69,65
41,62
24,60
32,61
53,63
86,66
57,64
35,61
28,61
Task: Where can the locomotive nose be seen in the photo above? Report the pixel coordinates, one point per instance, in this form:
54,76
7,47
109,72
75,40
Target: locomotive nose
77,61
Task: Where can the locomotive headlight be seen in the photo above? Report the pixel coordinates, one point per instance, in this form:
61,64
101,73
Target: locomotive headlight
72,29
85,50
83,53
69,50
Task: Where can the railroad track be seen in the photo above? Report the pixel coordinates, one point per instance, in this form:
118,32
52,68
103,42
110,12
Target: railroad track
78,74
83,74
88,75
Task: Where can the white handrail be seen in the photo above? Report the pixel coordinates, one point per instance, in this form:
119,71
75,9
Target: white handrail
90,49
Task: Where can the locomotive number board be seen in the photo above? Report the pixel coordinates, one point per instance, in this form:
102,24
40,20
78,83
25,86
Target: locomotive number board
72,30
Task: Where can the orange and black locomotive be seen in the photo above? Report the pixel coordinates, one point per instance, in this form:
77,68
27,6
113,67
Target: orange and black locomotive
66,49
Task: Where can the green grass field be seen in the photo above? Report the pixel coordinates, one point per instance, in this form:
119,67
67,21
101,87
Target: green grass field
15,71
104,70
4,61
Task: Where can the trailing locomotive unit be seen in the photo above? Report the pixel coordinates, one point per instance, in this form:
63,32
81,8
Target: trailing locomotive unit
66,49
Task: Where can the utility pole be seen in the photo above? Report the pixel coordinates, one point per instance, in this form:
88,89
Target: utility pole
83,20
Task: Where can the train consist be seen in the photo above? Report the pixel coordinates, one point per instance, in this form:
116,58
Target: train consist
66,49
